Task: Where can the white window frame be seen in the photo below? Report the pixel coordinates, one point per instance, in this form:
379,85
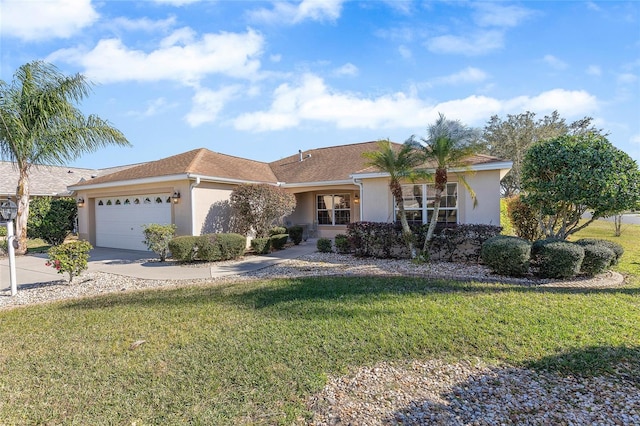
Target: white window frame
423,207
331,209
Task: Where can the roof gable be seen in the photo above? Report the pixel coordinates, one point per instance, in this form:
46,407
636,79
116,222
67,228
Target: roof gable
199,161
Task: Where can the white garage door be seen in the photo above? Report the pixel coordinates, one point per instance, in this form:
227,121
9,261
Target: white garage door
120,220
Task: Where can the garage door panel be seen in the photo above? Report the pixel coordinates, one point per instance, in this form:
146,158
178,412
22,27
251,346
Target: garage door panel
120,225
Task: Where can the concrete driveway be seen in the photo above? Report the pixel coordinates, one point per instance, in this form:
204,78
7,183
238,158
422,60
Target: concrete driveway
31,269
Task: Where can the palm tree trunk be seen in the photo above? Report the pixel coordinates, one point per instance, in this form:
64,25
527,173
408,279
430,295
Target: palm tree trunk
407,235
22,195
440,185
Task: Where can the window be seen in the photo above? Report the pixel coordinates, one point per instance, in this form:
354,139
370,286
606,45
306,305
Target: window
333,209
420,208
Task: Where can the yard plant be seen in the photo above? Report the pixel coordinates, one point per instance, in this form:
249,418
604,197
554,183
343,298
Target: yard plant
255,352
70,258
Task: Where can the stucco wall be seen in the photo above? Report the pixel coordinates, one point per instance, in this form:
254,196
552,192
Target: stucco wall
212,210
377,202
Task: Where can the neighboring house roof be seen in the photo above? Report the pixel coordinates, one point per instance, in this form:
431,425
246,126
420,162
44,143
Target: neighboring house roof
47,180
200,162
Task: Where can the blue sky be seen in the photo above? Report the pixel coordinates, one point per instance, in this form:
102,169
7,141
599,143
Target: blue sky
262,80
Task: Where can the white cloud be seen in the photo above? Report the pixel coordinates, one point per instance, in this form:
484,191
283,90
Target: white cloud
405,52
275,58
554,62
467,75
176,2
478,44
627,78
498,15
347,69
207,104
155,107
180,57
311,100
42,20
594,70
293,13
571,103
143,24
635,139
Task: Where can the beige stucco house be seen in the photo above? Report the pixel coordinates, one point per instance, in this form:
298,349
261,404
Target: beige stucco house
333,187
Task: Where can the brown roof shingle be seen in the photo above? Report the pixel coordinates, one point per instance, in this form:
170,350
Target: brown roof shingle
199,161
323,164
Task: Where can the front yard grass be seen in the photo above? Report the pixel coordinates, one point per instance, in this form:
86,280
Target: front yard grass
252,353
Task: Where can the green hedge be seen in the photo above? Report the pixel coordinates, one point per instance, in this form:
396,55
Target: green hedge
183,248
278,241
295,233
208,247
559,259
261,245
506,255
617,249
597,259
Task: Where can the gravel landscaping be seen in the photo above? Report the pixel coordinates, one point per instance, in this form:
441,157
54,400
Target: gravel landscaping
429,392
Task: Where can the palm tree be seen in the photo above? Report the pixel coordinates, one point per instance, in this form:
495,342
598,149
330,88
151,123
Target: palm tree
400,163
448,144
40,124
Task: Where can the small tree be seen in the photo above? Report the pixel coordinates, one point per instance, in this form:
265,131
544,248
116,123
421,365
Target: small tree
260,206
567,176
71,258
157,238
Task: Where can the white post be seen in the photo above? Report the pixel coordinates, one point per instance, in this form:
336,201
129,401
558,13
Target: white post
12,258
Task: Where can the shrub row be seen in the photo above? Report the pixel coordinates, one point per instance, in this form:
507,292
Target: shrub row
380,239
208,247
550,258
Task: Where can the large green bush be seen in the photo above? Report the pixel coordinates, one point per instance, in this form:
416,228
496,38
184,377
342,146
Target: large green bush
597,259
157,237
559,259
71,258
277,230
258,207
183,248
51,219
506,255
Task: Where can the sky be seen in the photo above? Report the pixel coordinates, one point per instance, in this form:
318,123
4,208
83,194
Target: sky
262,80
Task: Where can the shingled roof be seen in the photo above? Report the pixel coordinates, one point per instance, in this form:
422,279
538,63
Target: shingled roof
199,161
323,164
330,164
48,180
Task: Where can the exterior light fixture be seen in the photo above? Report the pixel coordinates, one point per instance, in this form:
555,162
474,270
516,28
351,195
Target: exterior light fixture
80,202
8,212
356,198
175,198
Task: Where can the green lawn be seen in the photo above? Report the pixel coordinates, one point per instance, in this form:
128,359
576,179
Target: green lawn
253,352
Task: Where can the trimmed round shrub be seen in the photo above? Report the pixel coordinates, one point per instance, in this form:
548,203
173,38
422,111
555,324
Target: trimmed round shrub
537,247
506,255
295,233
183,248
216,247
597,259
617,249
343,245
559,259
261,245
324,245
278,241
277,230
